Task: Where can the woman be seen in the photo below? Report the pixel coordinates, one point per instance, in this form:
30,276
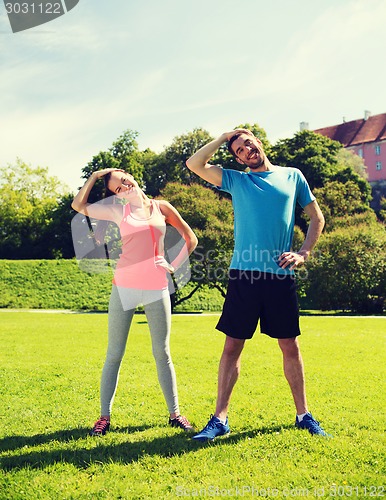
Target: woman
140,278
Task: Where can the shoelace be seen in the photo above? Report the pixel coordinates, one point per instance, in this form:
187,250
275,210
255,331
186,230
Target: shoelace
100,425
182,420
313,424
211,424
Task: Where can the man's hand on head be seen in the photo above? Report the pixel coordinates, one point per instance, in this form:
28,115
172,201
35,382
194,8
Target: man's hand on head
230,134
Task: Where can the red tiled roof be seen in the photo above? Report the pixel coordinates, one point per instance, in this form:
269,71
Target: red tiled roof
357,131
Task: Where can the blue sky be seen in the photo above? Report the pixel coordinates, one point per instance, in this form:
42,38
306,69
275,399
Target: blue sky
70,87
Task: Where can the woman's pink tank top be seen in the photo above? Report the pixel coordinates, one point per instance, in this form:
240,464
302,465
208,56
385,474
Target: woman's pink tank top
142,241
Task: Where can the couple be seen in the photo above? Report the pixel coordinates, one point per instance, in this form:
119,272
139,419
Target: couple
264,200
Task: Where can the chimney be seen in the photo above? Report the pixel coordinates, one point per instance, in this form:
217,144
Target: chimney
304,126
367,114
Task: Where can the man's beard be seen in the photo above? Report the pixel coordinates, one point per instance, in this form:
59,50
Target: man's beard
260,161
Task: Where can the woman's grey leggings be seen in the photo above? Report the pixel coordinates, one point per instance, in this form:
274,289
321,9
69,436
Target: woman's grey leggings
123,302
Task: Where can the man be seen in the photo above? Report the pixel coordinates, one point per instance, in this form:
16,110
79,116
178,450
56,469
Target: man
261,278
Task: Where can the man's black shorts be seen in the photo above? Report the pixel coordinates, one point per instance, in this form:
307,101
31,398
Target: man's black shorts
253,296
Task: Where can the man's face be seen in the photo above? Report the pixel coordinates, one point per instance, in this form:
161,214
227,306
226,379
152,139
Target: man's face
249,151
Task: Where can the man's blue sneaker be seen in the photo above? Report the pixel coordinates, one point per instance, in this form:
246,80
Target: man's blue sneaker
213,428
311,425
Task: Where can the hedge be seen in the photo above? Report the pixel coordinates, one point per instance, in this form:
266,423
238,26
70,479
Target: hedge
63,284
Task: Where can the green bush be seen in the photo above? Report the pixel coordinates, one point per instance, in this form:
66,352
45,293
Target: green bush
347,270
52,284
64,284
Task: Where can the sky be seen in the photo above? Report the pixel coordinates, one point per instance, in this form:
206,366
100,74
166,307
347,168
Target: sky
70,87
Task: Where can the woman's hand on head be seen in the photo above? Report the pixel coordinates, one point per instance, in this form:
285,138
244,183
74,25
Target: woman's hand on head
101,173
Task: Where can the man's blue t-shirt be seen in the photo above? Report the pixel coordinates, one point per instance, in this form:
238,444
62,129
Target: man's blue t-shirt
264,210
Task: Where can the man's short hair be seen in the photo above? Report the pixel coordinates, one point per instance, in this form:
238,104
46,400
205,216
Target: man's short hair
232,140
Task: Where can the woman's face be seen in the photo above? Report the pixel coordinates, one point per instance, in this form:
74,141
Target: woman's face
123,184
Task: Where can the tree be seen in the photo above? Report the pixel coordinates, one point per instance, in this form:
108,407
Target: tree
170,165
314,154
382,211
331,172
211,218
154,175
378,194
59,228
28,197
347,158
347,270
182,148
338,199
125,151
348,175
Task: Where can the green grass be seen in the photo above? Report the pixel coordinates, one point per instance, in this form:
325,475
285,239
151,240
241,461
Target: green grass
50,371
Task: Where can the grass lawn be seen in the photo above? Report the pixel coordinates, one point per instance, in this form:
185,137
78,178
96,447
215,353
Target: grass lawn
50,367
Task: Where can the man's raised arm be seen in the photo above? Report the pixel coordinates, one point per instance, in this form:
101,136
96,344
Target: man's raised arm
198,163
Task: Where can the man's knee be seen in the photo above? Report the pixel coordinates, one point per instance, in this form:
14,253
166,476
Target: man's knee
289,347
233,347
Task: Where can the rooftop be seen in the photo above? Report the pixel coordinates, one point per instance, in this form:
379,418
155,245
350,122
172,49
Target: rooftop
357,132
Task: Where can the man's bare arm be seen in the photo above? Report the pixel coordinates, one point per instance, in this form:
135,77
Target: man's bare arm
315,228
198,163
